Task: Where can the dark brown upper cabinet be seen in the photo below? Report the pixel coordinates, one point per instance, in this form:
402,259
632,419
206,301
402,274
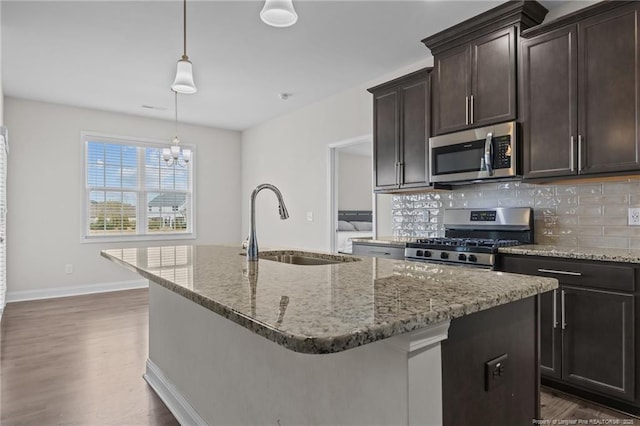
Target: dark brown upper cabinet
580,93
474,76
401,110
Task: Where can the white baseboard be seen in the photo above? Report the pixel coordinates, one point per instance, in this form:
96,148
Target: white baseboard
171,396
50,293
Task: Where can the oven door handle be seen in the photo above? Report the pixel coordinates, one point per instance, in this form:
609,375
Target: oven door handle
488,154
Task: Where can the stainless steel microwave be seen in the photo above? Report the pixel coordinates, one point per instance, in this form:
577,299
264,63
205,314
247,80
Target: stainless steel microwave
484,153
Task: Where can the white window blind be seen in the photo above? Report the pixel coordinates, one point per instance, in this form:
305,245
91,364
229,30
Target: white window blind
132,193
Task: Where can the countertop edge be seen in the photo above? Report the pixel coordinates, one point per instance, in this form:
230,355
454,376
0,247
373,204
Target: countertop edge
335,344
585,254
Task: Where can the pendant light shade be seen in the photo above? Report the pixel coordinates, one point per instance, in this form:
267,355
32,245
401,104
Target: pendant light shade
278,13
183,82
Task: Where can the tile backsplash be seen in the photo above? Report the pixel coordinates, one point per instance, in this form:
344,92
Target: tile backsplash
590,214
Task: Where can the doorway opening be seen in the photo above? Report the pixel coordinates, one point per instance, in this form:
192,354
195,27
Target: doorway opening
351,198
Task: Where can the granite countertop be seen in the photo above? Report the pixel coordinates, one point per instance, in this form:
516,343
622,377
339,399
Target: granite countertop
326,308
392,241
585,253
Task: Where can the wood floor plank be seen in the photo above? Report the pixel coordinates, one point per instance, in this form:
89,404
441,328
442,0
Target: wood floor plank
78,361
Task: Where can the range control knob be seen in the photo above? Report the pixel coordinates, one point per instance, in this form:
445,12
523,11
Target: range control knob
462,256
444,255
473,258
427,253
419,253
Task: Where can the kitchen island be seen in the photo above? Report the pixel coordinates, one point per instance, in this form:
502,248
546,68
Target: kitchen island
356,342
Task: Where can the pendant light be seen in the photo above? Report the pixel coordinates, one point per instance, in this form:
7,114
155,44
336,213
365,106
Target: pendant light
183,82
172,155
278,13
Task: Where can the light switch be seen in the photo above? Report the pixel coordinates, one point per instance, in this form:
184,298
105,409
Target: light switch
310,216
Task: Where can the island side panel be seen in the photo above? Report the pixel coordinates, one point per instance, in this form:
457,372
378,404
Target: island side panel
230,375
510,329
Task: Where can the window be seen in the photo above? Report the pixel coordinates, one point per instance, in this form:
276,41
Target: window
131,193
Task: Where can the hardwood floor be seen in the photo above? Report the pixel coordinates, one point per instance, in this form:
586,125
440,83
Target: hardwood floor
556,405
79,361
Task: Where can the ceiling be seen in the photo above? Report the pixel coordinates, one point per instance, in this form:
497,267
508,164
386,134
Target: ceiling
121,55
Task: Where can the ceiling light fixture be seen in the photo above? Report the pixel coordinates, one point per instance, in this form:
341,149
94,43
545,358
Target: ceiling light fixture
278,13
183,82
172,155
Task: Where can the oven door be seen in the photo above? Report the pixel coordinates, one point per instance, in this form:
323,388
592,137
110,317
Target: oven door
484,153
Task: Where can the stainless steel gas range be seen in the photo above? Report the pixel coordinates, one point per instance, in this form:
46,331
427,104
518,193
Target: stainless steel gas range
473,236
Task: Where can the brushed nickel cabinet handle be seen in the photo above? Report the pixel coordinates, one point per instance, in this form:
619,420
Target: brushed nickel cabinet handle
564,323
571,159
555,309
553,271
471,102
466,110
579,153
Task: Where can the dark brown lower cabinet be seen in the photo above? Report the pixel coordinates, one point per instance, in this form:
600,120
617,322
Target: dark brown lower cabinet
475,340
598,343
550,336
588,328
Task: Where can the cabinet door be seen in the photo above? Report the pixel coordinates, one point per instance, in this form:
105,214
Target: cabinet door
493,78
385,140
549,104
608,91
598,341
451,90
550,335
415,134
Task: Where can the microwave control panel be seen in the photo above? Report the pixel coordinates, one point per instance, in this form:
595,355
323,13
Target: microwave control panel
502,153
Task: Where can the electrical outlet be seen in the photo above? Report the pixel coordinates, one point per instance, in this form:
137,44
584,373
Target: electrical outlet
68,268
495,372
634,216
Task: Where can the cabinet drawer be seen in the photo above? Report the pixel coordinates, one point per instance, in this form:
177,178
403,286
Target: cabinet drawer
591,274
378,250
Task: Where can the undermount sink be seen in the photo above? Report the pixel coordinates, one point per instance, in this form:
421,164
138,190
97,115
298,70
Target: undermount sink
304,258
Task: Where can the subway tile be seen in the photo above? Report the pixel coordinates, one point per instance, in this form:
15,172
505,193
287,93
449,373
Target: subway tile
629,187
595,231
515,202
604,199
548,191
622,231
544,202
459,195
586,210
634,243
616,210
607,242
567,220
526,193
587,189
603,220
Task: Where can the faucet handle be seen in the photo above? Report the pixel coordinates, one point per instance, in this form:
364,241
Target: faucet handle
245,243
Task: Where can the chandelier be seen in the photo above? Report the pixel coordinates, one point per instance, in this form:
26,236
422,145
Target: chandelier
171,156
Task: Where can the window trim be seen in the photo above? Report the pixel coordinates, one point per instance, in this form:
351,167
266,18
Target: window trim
141,210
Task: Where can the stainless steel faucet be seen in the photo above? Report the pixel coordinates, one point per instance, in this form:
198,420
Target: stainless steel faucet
252,248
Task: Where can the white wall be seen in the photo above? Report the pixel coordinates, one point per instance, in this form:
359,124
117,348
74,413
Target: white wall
292,152
45,186
354,182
